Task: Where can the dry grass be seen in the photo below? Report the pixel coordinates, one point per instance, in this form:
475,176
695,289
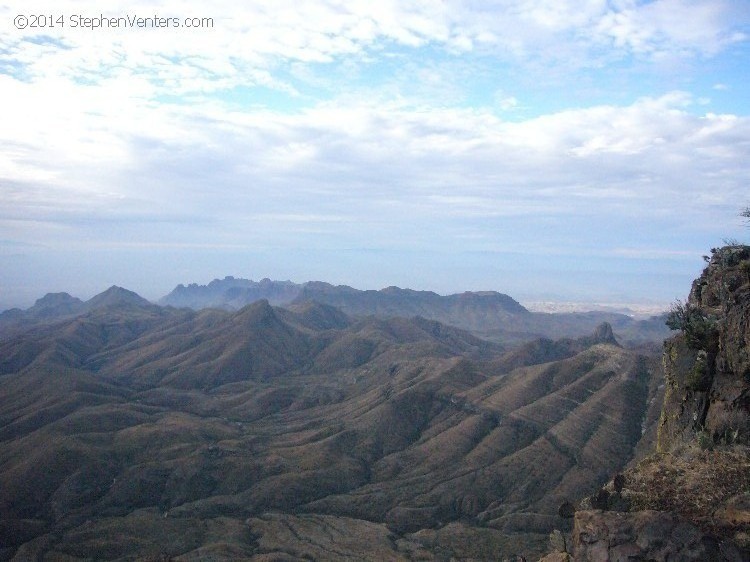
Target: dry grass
692,482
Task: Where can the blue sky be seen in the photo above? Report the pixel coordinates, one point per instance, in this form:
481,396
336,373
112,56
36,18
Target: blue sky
587,151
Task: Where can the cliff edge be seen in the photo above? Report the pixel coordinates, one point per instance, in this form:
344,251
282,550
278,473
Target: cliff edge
690,499
707,366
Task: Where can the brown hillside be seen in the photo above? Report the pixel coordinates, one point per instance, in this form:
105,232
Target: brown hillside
265,433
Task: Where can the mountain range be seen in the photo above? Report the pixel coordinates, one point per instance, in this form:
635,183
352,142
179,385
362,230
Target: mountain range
488,314
131,431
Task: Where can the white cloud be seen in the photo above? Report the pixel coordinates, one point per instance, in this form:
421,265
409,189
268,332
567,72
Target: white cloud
246,44
505,102
368,130
666,27
349,166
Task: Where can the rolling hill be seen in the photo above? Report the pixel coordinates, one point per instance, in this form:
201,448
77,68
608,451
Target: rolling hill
132,431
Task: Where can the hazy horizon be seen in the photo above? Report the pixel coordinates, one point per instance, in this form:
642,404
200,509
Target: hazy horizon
642,308
565,152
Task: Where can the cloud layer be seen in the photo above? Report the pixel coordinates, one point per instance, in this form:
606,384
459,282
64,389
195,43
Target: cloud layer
428,127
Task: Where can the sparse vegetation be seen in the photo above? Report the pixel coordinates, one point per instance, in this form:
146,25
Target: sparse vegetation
704,439
699,329
731,426
693,482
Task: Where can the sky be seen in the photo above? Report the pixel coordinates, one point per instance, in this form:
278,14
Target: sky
559,150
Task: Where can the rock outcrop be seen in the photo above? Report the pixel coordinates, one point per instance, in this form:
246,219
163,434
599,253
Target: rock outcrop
690,500
601,536
707,366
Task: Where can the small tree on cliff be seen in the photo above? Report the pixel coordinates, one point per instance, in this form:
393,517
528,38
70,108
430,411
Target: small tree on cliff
699,330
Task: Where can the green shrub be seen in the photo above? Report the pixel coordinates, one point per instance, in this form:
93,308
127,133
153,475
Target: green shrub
705,440
698,328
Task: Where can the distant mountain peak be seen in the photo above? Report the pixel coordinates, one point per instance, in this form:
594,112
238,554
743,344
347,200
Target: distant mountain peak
257,312
55,300
604,334
116,290
231,293
115,296
501,300
55,304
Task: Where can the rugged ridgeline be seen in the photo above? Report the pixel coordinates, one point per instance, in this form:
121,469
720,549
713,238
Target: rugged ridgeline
132,431
487,314
231,293
56,306
691,499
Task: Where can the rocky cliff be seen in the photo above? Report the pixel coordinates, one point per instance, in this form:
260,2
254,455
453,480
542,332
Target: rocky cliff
689,500
707,366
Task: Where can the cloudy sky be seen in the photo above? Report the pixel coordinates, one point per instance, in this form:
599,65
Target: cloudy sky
573,150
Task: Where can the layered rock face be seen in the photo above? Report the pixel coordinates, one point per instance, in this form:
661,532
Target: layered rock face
707,366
